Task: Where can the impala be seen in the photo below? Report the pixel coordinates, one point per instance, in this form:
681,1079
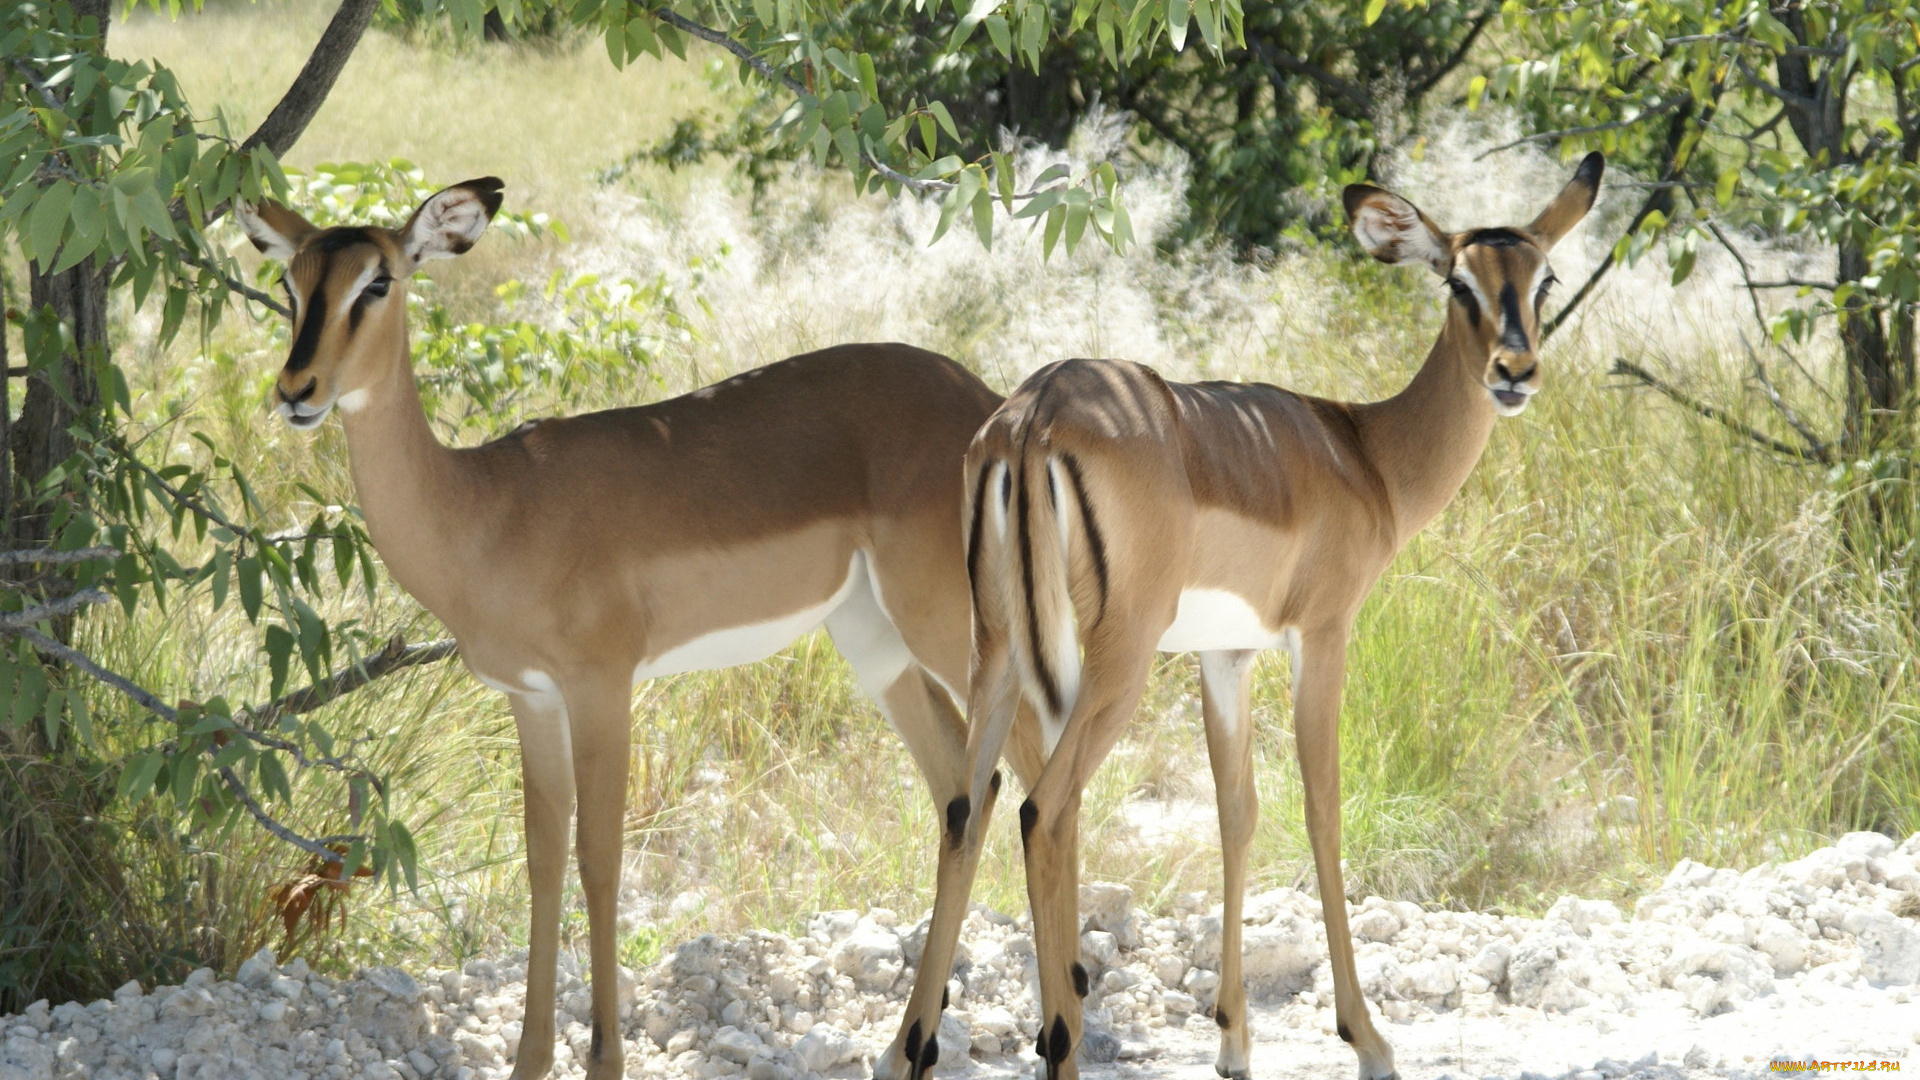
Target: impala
575,557
1111,514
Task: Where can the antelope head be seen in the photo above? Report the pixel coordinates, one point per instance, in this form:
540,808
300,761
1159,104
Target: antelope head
347,286
1498,277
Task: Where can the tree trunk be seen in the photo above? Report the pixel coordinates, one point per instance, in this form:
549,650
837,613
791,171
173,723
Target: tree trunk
59,397
1878,377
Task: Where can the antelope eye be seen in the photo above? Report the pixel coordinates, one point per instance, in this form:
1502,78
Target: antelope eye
378,286
1460,288
1546,285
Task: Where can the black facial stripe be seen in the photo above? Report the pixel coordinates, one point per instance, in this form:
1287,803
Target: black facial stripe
1496,238
334,240
1513,334
1464,293
308,341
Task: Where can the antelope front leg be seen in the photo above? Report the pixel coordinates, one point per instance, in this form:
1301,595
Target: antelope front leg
546,771
1316,732
1226,680
600,717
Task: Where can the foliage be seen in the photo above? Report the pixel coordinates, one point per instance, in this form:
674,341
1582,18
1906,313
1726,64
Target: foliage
1785,119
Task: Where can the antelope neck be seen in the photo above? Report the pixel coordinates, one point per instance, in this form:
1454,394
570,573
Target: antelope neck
414,492
1425,440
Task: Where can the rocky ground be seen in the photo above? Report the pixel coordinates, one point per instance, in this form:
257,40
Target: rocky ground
1714,974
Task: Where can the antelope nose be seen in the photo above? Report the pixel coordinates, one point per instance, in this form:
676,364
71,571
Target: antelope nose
305,392
1514,378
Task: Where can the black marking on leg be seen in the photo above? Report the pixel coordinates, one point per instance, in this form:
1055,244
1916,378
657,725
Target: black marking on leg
598,1040
946,997
1222,1017
1080,982
1059,1043
1029,814
1040,1044
913,1043
957,812
929,1056
1346,1033
993,782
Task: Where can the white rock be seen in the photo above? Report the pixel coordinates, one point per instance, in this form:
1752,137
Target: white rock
1782,943
1869,845
871,956
1583,915
734,1045
1889,945
257,970
1376,924
825,1047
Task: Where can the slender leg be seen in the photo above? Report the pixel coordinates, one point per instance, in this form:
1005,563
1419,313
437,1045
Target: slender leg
1226,683
967,773
1114,676
599,714
546,769
1316,732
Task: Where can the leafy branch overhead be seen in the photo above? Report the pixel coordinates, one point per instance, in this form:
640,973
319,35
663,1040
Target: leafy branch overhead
1759,120
838,111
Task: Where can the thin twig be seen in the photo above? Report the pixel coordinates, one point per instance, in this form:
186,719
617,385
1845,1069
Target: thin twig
1622,366
179,496
186,255
48,555
313,847
52,609
1657,109
1793,283
1753,298
396,656
1817,446
73,657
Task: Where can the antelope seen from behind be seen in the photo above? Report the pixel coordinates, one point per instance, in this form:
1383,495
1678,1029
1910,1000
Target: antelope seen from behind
1111,514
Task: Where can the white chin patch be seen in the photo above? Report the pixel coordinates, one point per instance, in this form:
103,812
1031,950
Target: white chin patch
303,417
1509,402
352,401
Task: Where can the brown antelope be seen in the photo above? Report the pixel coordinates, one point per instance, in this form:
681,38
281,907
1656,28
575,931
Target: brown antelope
575,557
1111,514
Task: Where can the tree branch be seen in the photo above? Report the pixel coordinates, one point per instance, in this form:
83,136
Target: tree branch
753,60
396,656
1341,88
187,255
52,609
1621,366
1429,81
1672,103
1817,446
289,119
48,555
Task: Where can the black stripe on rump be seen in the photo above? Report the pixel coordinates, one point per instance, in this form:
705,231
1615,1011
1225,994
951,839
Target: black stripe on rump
1048,688
973,534
1096,543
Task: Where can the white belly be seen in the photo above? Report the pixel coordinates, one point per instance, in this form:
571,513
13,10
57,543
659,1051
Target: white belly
1210,619
744,644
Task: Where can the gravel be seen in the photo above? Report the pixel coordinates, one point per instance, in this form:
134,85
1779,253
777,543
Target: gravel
1713,974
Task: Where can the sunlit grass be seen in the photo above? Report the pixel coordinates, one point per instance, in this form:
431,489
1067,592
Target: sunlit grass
1623,601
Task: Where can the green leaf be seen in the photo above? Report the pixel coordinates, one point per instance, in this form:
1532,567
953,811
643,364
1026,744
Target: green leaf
273,777
136,779
983,217
1683,265
279,645
247,576
1374,9
1177,11
49,221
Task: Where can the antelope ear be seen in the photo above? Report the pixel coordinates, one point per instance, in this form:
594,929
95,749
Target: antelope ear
274,229
1394,230
451,220
1571,204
